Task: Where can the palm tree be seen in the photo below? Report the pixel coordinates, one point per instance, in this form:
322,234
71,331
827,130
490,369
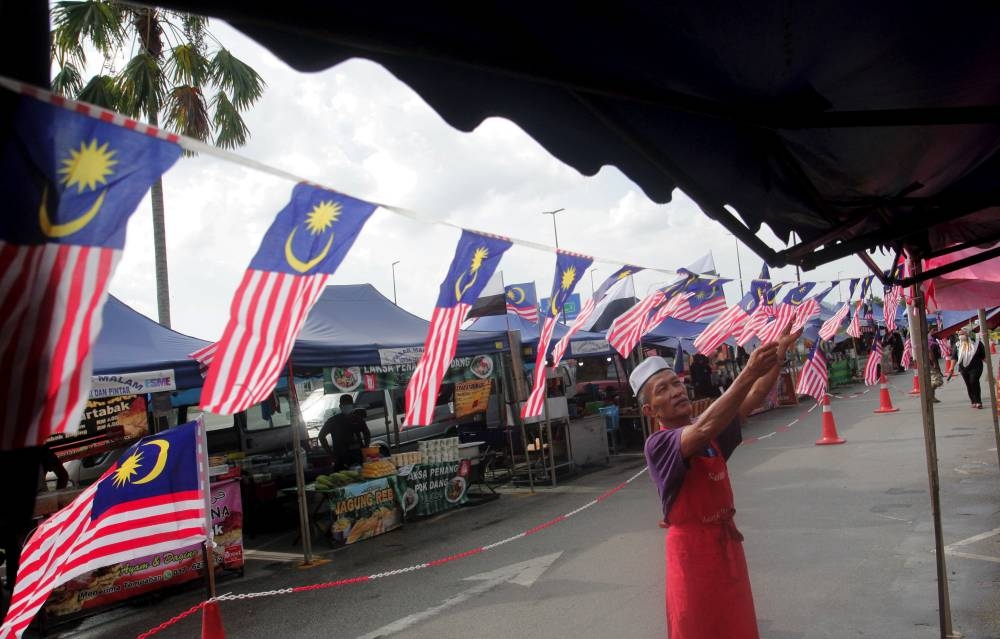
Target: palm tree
171,63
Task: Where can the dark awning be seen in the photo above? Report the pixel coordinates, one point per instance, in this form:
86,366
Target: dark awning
851,124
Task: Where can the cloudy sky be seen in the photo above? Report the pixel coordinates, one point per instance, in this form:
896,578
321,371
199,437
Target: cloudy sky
357,129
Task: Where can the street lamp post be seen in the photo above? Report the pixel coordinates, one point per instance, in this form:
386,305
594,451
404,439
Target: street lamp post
554,230
840,291
592,289
739,267
394,282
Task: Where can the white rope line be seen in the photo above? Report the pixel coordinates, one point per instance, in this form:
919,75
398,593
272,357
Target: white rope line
197,146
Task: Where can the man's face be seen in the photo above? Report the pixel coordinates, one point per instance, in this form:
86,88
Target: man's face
666,400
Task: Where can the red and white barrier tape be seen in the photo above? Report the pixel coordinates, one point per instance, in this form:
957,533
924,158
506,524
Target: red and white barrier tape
398,571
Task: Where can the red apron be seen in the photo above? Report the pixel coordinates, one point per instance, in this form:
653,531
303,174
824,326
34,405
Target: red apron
708,588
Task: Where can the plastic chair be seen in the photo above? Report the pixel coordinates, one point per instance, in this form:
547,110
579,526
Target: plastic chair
611,425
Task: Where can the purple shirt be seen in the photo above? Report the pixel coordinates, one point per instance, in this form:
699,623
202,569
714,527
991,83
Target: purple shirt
667,465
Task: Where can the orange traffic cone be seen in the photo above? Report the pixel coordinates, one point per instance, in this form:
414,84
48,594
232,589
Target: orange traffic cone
916,384
211,622
829,426
884,401
993,348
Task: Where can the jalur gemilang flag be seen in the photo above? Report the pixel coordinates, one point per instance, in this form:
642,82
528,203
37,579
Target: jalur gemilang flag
304,246
71,181
476,258
522,300
734,317
570,267
621,275
153,500
814,377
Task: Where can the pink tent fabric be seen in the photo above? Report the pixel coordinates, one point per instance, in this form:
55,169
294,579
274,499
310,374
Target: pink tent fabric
976,286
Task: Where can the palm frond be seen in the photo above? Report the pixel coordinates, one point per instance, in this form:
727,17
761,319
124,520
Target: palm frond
100,23
67,80
195,29
231,130
102,90
187,112
141,85
234,76
187,65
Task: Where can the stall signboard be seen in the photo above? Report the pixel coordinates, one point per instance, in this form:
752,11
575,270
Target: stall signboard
362,510
472,397
132,383
125,580
108,423
389,376
427,489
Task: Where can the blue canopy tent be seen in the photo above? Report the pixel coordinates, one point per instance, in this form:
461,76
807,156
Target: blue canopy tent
130,342
350,324
671,329
582,343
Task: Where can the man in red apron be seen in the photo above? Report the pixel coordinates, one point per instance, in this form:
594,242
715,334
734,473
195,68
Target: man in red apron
708,588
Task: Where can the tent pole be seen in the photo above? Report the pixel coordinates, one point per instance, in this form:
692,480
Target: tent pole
919,320
300,480
984,336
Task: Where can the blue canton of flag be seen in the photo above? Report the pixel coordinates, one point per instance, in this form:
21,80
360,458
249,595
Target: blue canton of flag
522,300
625,271
819,297
679,359
313,233
798,293
569,270
74,179
865,285
71,181
476,258
156,468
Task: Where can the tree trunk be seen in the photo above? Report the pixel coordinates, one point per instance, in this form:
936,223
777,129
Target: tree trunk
160,246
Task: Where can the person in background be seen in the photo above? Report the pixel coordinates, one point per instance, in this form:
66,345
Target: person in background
701,378
969,358
707,582
349,433
896,346
934,359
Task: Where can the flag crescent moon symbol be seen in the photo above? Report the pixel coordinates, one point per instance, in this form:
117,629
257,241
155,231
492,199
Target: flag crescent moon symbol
298,264
161,461
67,228
519,297
459,289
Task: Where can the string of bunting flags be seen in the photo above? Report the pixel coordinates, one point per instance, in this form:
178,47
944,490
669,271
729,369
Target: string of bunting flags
87,169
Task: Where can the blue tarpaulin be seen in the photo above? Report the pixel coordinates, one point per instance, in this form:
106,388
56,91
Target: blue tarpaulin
530,331
130,342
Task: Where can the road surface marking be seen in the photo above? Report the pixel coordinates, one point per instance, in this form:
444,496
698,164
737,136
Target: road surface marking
524,573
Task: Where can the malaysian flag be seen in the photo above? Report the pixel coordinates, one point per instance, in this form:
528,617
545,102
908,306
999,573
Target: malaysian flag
832,325
762,316
813,377
304,246
874,361
854,329
704,304
720,329
810,308
476,258
893,295
626,330
588,309
785,312
73,177
522,300
675,298
570,267
945,346
153,500
907,357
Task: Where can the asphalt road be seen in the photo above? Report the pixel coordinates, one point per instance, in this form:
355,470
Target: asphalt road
838,538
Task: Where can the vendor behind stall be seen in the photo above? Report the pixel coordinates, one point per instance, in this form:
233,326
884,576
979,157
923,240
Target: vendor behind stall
349,433
18,503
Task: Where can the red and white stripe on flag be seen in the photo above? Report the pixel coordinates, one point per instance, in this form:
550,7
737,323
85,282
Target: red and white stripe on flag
814,377
52,297
783,316
705,311
854,330
719,330
626,329
439,350
808,310
871,367
204,357
755,323
907,357
267,313
560,349
832,325
527,313
536,400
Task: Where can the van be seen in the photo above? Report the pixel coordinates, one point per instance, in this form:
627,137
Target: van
384,410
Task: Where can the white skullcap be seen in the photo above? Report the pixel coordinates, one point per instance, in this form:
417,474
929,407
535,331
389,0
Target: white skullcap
649,367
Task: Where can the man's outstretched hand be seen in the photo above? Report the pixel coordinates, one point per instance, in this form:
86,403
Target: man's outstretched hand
787,338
